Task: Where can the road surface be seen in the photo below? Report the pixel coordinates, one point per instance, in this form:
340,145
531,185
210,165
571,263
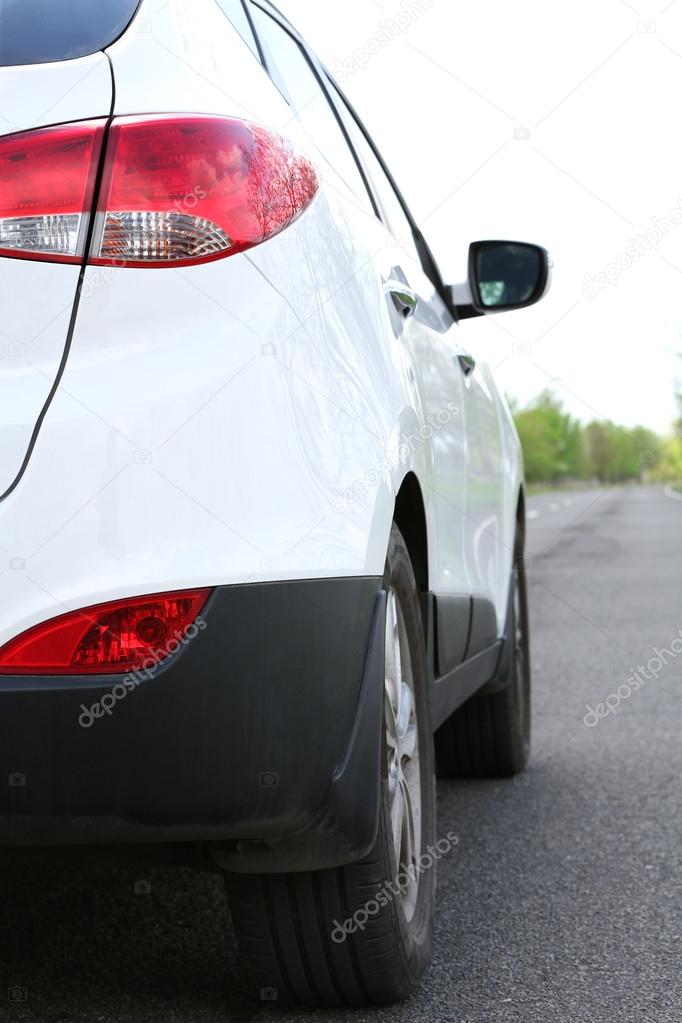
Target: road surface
563,899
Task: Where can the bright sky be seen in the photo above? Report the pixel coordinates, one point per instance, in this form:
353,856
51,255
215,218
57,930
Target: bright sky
547,122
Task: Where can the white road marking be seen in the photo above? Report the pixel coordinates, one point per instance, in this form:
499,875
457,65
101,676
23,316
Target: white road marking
554,507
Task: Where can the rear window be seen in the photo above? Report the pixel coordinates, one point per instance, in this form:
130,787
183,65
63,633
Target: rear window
38,31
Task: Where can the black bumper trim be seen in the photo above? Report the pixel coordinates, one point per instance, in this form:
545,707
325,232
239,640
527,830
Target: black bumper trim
262,734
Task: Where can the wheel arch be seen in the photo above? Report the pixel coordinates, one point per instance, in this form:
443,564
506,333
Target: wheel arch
521,520
410,517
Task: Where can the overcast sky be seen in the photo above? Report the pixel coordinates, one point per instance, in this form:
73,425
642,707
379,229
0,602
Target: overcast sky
556,123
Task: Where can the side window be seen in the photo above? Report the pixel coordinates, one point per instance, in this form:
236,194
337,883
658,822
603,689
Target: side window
294,76
236,13
392,212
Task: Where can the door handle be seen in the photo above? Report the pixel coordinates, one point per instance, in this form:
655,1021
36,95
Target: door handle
403,298
467,363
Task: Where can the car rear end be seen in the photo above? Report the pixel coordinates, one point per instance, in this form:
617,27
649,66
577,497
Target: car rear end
189,638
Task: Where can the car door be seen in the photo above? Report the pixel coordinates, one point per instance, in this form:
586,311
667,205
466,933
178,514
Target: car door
489,509
412,328
427,330
468,488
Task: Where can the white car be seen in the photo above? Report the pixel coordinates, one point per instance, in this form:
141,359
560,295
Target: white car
262,509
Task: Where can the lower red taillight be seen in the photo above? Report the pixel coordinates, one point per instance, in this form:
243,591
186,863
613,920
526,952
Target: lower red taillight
120,636
176,190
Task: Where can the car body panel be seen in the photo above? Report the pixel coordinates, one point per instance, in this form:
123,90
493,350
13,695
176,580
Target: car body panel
184,56
36,298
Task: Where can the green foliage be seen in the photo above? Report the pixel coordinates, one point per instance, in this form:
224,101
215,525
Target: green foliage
551,439
670,467
616,454
557,447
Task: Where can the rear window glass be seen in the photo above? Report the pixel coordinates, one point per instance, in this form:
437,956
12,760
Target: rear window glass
37,31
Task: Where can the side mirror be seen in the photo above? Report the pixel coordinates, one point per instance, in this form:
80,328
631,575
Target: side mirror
502,276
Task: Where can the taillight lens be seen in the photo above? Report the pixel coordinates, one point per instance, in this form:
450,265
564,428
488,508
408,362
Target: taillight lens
176,190
47,182
183,190
120,636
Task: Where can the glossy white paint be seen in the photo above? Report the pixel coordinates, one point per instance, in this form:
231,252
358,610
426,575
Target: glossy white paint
252,418
184,55
36,298
32,338
35,95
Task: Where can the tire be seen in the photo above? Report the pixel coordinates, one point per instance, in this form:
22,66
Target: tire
290,926
489,736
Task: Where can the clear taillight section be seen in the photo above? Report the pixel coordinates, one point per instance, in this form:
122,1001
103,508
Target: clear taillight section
47,184
176,190
120,636
182,190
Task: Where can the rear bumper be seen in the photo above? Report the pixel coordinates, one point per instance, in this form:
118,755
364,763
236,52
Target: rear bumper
262,735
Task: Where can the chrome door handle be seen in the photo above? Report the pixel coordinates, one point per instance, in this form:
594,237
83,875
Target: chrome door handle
404,299
467,363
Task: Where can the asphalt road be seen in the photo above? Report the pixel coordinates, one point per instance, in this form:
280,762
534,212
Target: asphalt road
563,899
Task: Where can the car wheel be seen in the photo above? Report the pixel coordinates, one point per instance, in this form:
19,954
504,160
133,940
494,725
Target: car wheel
360,934
489,736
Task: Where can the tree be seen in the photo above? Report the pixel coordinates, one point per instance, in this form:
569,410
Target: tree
557,447
552,441
616,454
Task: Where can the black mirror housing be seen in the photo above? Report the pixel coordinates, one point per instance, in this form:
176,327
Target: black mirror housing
506,275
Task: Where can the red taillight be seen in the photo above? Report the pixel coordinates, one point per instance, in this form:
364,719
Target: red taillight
176,190
121,636
183,190
47,181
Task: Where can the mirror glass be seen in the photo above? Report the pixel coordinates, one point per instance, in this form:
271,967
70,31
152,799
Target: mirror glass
507,273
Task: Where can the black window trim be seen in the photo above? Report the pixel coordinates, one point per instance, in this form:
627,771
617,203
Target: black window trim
259,45
259,55
428,261
337,97
327,84
319,74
